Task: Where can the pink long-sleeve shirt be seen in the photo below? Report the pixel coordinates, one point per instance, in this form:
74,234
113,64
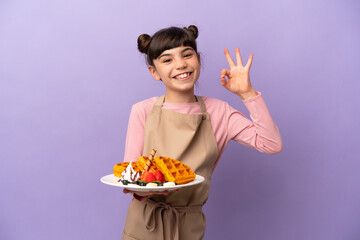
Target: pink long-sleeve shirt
227,123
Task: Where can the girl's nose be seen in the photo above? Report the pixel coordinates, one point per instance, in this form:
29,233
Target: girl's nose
180,64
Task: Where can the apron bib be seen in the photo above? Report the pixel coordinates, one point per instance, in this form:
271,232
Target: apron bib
188,138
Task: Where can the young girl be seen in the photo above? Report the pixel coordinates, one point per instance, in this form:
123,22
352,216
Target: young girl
191,129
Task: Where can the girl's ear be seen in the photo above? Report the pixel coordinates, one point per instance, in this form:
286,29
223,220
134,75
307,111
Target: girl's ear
153,72
198,56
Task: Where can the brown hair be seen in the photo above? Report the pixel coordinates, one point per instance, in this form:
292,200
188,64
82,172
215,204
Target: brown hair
165,39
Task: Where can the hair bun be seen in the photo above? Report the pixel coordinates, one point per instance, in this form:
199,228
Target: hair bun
194,30
143,43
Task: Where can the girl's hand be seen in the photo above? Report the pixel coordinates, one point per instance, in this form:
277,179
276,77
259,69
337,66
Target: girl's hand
238,76
147,194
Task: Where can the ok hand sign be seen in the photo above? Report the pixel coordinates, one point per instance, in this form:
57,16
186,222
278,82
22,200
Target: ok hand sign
238,76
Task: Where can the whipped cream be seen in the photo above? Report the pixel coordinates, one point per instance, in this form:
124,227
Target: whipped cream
151,185
129,174
169,184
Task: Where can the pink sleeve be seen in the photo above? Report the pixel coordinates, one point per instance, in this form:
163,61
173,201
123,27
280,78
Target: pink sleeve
261,133
135,134
135,137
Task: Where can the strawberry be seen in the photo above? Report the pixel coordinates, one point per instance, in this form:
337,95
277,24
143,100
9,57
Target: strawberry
143,175
159,176
148,176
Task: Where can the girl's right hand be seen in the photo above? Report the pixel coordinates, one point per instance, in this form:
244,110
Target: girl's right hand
147,194
144,195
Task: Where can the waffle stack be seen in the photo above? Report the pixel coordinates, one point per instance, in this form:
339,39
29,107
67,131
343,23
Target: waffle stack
173,170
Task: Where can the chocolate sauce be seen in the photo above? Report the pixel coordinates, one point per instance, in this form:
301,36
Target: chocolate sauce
133,175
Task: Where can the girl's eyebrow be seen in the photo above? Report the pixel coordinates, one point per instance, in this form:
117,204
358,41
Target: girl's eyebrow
169,54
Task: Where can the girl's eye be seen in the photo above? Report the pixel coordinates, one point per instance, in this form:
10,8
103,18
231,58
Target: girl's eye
188,55
167,60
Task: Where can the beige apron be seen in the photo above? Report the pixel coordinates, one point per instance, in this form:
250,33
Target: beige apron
188,138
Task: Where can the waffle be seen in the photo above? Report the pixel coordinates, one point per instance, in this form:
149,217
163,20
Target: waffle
120,167
174,170
141,162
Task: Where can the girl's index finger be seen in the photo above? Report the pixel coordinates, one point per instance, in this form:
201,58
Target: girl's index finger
228,58
238,57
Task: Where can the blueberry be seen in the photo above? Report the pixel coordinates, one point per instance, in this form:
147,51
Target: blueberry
135,182
160,184
142,184
125,182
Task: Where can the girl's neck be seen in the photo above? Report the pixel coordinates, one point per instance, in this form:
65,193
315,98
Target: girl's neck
176,97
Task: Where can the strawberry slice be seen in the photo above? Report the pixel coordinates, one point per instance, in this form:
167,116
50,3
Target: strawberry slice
143,175
159,176
148,176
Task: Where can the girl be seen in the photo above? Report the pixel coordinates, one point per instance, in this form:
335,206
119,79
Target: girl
189,128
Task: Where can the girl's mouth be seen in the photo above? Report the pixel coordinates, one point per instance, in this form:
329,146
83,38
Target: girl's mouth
183,76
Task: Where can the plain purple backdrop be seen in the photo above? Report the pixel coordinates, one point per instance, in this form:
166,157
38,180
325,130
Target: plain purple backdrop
70,71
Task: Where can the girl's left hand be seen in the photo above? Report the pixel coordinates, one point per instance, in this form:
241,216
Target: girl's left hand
238,76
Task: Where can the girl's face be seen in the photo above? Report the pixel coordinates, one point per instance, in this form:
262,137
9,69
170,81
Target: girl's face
178,68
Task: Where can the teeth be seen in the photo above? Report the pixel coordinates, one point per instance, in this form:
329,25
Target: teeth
184,75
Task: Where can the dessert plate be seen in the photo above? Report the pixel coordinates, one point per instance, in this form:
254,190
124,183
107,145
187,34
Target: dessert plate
113,181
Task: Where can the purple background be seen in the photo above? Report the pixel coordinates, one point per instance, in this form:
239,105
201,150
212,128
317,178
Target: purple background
70,71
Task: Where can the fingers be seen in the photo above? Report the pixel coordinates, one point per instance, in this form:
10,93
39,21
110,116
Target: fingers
143,194
134,192
238,57
228,58
127,191
248,64
224,72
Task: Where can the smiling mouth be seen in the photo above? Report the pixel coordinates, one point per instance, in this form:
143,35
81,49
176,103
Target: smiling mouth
183,76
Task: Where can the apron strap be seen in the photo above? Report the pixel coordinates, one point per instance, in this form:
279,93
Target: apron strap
159,101
202,106
151,220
